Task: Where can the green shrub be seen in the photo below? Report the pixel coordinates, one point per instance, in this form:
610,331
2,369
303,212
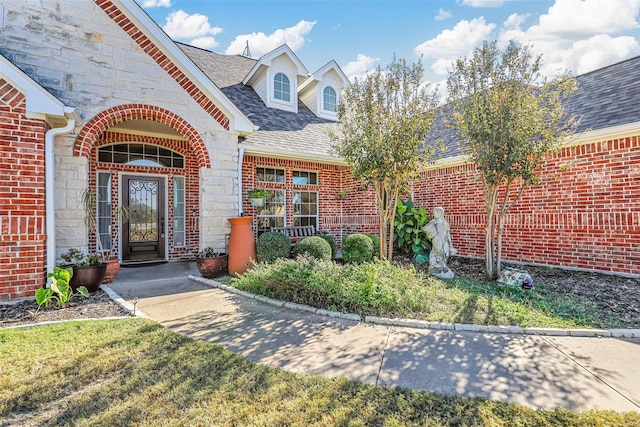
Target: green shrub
408,235
272,245
331,241
314,246
371,288
357,248
376,244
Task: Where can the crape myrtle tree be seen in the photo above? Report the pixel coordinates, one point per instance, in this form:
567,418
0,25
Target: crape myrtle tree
508,115
384,119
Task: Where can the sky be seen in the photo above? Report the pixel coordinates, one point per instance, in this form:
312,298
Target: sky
575,36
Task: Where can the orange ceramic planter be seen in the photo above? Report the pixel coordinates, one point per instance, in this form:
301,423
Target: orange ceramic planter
242,245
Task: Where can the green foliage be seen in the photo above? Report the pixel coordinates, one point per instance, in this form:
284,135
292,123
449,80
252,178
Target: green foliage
368,288
358,248
272,245
77,258
331,241
60,291
383,123
509,116
209,252
409,236
258,193
376,244
313,246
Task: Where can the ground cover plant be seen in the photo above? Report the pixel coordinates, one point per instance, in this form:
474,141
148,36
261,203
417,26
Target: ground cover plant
403,290
136,372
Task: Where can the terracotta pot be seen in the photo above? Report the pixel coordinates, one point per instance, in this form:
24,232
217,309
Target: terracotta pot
113,268
89,277
242,245
210,268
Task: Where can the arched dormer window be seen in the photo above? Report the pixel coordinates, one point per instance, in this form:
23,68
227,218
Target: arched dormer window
329,99
281,88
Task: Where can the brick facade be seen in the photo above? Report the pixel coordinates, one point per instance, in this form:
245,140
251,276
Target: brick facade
585,214
22,196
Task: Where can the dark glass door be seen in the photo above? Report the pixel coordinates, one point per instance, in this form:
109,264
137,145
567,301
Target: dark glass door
143,235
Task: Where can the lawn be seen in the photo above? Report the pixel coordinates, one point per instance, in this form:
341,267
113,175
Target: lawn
135,372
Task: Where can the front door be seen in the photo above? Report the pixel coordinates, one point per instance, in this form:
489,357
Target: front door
143,235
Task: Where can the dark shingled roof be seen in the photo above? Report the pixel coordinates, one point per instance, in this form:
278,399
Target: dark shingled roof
302,132
604,98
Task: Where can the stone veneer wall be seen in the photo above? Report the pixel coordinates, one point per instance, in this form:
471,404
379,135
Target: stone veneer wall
91,57
22,197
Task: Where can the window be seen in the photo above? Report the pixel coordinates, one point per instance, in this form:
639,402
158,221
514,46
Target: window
270,175
302,177
140,155
330,100
273,212
305,208
178,212
103,204
281,88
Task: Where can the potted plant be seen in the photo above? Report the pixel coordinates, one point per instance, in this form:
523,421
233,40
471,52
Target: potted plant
257,196
212,263
88,270
121,214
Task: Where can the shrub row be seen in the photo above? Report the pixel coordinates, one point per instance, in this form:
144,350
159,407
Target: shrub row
356,248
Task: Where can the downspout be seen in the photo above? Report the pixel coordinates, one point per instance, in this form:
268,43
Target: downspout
50,207
240,162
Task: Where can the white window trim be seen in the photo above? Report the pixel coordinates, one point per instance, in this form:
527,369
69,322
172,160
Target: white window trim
316,216
327,114
292,105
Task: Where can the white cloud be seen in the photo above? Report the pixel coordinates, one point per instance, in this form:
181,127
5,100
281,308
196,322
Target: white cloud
360,67
588,17
452,44
442,15
483,3
514,21
156,3
578,35
261,43
181,25
204,42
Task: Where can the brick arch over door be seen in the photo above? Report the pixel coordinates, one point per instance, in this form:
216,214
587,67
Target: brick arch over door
111,117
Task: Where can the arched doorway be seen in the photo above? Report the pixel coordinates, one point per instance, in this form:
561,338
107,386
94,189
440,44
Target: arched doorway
149,164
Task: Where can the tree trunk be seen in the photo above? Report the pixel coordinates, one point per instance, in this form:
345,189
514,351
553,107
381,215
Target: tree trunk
490,235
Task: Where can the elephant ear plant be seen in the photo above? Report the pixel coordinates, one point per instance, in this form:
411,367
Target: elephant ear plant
60,291
409,236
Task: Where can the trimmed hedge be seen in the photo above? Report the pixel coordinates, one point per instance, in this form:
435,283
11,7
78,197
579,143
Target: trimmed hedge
313,246
271,246
332,242
357,248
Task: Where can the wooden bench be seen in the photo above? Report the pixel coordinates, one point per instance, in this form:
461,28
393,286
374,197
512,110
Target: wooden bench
296,233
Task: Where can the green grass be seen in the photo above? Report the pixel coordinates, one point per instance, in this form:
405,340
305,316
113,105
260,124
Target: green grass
135,372
382,289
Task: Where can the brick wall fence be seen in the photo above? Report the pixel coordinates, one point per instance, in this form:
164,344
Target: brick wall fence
585,214
22,197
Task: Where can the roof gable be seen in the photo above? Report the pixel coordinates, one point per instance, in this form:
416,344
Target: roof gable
157,44
267,60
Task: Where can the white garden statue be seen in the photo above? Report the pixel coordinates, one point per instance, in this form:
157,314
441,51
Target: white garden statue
441,247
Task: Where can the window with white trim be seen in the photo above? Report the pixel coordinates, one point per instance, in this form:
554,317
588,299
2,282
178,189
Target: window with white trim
305,208
329,99
179,212
281,87
305,178
103,205
270,175
272,214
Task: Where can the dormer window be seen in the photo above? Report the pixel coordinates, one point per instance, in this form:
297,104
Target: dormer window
329,99
281,88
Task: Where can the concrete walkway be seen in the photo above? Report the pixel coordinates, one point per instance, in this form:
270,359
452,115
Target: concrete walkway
578,373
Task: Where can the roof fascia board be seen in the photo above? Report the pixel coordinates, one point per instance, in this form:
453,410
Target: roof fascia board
253,150
265,61
239,122
40,103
